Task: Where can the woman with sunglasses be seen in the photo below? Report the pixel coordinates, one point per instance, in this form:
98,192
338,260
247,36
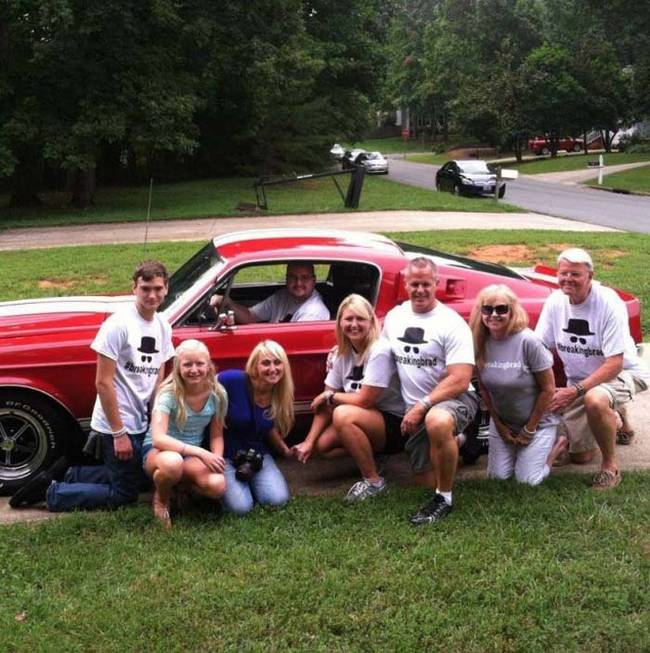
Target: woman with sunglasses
360,411
516,381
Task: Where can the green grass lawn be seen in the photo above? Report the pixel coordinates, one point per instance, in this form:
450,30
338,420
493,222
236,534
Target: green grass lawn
637,179
563,163
392,145
431,159
514,568
618,257
220,197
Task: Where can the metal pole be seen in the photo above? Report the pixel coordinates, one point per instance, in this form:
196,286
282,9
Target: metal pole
601,165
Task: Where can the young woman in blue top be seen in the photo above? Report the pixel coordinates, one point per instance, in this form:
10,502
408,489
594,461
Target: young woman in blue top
260,412
189,400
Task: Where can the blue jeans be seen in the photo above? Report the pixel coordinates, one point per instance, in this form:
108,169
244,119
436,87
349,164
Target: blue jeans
111,485
267,487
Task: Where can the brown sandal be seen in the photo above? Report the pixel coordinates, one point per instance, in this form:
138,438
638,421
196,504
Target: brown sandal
624,432
606,479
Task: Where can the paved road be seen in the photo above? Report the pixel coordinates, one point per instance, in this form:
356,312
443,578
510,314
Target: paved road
565,200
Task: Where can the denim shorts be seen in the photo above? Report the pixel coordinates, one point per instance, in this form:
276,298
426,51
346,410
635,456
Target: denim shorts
145,452
463,410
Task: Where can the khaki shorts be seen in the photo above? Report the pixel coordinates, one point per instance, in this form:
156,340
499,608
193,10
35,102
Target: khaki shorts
463,409
621,390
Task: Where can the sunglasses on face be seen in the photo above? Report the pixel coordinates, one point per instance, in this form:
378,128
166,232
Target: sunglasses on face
499,309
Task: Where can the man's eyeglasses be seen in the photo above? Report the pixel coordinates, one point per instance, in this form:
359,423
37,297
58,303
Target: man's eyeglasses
499,309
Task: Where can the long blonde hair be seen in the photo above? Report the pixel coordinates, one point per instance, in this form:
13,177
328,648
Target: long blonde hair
175,384
361,306
517,320
281,411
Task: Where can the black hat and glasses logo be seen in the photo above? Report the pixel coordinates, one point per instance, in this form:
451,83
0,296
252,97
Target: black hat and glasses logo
147,347
413,336
579,329
356,376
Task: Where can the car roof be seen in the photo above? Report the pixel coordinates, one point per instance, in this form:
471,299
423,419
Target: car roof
304,244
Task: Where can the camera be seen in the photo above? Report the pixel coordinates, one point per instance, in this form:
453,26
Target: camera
247,463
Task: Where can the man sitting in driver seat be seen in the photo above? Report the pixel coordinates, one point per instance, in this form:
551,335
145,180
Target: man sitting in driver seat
298,301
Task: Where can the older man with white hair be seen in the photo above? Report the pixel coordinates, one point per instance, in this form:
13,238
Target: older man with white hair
587,325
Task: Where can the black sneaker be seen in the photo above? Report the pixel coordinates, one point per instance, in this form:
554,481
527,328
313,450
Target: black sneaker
435,510
32,492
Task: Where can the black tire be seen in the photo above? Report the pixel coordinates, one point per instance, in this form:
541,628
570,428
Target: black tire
502,191
577,147
458,191
31,428
438,186
545,151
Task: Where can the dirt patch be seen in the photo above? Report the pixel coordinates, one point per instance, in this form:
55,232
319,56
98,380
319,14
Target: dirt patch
539,253
504,253
68,284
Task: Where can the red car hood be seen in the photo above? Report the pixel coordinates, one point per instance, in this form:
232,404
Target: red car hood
30,317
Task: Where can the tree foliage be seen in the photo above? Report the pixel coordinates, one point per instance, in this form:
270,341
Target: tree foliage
502,70
160,86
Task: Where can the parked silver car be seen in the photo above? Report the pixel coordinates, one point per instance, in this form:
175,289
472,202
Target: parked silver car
374,162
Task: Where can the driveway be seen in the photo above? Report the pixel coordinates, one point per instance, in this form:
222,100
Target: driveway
204,228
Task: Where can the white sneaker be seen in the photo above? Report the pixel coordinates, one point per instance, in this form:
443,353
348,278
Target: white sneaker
363,490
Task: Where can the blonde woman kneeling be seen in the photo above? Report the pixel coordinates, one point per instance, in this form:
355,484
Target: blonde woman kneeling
517,384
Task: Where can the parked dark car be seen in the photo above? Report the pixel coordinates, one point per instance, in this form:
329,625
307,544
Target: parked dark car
472,177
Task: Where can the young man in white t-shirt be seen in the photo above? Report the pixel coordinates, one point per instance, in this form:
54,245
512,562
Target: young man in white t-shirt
434,353
587,325
132,347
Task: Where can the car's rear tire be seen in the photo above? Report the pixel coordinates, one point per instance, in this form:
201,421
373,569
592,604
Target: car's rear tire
457,190
545,151
31,426
577,147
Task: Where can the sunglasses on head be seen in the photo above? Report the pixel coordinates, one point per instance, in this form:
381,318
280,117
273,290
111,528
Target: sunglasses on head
499,309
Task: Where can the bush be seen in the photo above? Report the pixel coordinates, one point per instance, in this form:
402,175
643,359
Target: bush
641,147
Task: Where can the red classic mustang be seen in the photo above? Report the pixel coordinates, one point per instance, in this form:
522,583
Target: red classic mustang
47,369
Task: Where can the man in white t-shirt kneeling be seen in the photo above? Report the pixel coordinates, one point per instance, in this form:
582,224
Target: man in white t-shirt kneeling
587,325
434,353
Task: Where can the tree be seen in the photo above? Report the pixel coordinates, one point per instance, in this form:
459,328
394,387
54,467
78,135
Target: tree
553,95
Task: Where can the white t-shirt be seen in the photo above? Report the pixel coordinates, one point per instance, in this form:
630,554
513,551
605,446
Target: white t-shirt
282,307
348,374
424,345
139,348
584,335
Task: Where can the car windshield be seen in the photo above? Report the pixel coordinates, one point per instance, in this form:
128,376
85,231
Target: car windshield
206,258
474,167
375,155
